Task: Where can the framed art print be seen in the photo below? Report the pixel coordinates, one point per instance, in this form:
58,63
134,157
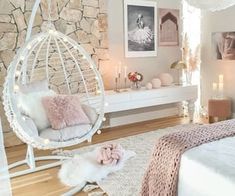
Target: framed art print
168,27
140,28
223,45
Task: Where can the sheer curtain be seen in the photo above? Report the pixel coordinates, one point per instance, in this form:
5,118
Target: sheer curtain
211,5
191,17
5,184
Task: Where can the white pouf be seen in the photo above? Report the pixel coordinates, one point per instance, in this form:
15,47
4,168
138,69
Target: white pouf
166,79
149,86
156,83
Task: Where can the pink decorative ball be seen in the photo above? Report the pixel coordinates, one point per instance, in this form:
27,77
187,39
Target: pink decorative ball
149,86
156,83
166,79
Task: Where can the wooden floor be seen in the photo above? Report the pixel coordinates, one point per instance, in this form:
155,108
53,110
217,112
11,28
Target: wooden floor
46,183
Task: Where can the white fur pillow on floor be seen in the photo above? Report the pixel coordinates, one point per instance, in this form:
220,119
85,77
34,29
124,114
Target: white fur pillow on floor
85,168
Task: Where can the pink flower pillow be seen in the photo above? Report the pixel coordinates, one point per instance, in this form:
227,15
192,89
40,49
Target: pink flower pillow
64,110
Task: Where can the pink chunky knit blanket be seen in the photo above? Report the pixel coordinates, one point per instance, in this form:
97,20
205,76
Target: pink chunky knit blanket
161,177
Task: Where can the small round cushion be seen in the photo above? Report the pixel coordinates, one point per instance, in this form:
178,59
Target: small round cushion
166,79
149,86
156,83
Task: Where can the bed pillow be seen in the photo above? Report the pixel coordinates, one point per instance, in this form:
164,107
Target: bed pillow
64,111
30,104
34,87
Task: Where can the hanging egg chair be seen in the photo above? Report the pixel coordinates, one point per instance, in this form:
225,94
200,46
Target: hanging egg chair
67,68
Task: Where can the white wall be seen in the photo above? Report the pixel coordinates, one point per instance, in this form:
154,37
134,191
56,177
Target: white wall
148,66
210,68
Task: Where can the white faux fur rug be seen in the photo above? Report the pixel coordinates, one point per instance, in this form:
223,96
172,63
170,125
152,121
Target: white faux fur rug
127,181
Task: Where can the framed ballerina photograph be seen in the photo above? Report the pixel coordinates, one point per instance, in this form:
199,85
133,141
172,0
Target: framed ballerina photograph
140,28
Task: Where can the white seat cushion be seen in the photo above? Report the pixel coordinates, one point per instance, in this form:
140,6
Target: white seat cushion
91,113
66,133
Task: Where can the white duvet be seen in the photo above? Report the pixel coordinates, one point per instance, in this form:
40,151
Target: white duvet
208,170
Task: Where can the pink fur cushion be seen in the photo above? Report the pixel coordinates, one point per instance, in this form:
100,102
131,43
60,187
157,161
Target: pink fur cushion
64,110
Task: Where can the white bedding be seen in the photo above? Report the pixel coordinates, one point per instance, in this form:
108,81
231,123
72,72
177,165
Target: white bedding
208,170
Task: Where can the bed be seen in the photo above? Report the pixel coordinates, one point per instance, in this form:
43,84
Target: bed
193,162
208,170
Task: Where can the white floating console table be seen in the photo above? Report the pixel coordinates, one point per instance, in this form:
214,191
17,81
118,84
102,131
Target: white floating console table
134,99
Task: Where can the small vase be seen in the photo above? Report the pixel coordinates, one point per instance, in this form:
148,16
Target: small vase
135,86
188,77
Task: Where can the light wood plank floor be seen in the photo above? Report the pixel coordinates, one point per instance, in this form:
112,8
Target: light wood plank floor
46,183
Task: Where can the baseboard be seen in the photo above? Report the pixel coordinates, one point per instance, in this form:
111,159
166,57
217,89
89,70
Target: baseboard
139,116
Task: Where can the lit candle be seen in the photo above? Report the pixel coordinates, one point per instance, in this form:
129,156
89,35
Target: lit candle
221,79
125,71
221,90
214,87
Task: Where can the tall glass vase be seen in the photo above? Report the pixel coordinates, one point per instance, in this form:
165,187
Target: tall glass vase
188,77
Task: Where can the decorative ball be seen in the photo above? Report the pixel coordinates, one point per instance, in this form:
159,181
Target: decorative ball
166,79
156,83
99,132
149,86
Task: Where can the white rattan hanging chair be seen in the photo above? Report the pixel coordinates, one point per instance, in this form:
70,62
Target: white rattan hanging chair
55,57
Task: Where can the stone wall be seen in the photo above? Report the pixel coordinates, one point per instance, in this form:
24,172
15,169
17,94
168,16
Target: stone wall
84,20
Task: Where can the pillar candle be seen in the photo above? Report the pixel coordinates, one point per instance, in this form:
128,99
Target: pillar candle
221,90
125,71
221,79
214,87
221,87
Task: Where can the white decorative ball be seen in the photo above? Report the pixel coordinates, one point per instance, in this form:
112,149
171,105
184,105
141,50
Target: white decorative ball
156,83
149,86
166,79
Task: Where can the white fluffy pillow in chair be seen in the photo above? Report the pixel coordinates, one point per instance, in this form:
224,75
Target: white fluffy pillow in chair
31,105
35,86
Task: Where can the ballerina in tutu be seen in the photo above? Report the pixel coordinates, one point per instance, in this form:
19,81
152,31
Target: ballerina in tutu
141,34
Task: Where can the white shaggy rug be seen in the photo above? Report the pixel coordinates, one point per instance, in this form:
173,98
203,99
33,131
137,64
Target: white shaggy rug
127,181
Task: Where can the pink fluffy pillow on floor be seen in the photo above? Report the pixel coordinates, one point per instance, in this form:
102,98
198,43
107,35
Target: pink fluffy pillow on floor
64,110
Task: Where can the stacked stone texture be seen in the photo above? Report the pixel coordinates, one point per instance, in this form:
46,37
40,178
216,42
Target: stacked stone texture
83,20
